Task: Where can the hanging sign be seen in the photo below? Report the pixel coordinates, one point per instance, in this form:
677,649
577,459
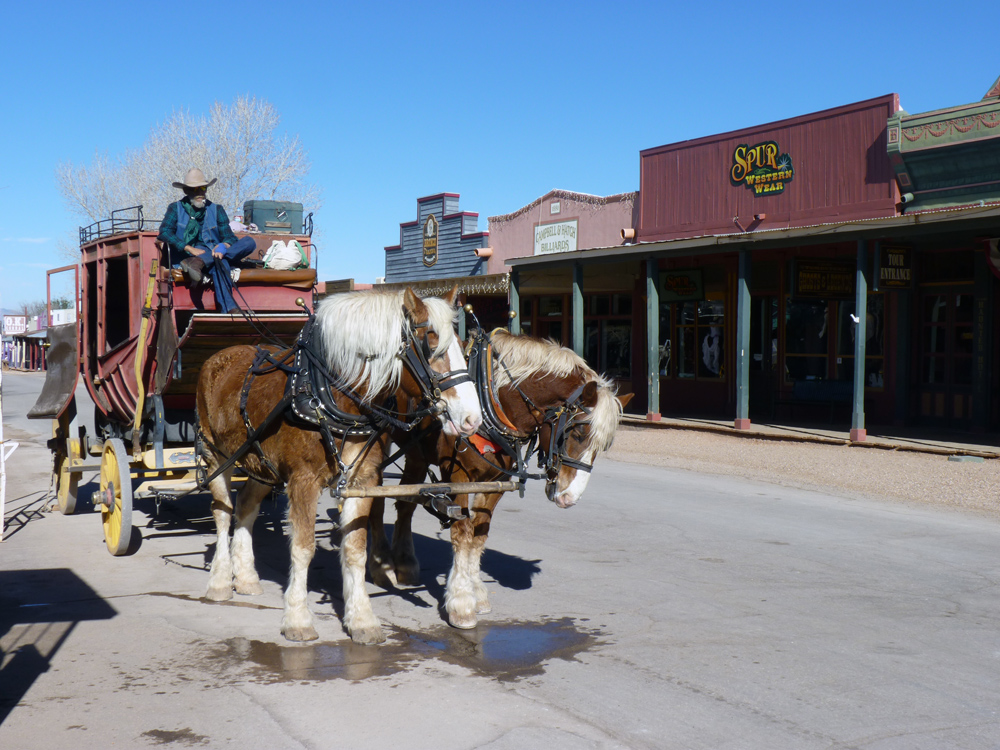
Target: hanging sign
430,241
895,268
825,279
681,286
14,325
761,168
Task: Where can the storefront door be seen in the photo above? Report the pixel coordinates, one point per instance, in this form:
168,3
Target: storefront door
944,388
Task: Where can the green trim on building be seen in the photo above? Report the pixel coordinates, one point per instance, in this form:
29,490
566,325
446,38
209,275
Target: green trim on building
949,157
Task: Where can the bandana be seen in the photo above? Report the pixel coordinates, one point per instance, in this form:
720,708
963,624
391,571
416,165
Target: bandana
193,230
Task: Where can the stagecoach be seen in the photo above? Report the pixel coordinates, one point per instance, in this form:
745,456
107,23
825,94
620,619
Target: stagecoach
141,336
316,410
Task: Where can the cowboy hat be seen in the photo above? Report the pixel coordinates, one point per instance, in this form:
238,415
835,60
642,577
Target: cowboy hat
194,178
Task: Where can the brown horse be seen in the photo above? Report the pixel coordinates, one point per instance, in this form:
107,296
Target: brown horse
369,341
537,388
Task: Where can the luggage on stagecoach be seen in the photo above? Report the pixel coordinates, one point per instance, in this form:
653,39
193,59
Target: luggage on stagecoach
274,217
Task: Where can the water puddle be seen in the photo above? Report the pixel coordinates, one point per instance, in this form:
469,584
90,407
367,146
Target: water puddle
510,650
504,650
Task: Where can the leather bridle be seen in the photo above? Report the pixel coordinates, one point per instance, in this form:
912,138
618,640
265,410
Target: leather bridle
497,428
416,354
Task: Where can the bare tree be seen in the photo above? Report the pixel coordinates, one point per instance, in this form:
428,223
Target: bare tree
39,307
237,144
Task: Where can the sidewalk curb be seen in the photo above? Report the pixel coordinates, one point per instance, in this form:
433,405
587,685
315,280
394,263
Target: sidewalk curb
886,444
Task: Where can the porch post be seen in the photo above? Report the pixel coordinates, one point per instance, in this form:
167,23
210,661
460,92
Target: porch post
578,308
515,303
858,431
462,315
742,421
653,339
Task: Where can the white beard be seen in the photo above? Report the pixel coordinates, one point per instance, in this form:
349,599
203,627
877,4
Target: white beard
199,203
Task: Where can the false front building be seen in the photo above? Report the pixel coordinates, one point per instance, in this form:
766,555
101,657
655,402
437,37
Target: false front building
835,266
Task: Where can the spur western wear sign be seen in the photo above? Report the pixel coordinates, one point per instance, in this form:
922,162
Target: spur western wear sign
761,168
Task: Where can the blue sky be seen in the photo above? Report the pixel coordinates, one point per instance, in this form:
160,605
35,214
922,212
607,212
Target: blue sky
500,102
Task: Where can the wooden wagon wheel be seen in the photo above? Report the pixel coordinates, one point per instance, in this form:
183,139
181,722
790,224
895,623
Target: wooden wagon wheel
115,496
67,481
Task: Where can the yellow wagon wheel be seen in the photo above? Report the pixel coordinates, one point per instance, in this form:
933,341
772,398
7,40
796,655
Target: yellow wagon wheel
115,496
67,481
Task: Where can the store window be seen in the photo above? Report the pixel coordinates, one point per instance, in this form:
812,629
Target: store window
525,315
693,339
806,339
847,327
550,306
550,321
813,325
607,334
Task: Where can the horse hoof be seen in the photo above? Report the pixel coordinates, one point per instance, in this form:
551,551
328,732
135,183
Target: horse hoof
462,622
408,576
250,589
368,636
307,633
383,576
219,594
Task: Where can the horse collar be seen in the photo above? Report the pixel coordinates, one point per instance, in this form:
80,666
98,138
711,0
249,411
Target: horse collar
491,389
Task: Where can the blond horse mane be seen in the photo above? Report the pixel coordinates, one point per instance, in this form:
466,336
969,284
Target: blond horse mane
525,356
360,334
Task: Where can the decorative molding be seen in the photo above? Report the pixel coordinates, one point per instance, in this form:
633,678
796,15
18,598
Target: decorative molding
959,126
498,283
593,201
994,91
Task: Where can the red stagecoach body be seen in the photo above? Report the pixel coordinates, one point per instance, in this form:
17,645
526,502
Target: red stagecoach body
144,330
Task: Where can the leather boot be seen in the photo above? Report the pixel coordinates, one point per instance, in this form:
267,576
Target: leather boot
194,270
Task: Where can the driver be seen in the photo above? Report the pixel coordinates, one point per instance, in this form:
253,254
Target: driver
201,243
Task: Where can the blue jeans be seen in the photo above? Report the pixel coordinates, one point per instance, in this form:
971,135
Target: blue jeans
219,269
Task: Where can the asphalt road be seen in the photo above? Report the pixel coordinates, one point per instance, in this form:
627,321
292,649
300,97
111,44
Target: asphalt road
669,609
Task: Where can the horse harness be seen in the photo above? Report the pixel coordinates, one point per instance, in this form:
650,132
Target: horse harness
309,401
500,431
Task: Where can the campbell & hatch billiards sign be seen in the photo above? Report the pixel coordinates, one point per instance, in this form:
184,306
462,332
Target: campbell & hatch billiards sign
761,168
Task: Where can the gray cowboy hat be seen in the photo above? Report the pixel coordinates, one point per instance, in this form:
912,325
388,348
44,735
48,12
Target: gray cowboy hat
194,178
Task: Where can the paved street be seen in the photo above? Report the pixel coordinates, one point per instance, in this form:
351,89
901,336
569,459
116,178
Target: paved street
669,609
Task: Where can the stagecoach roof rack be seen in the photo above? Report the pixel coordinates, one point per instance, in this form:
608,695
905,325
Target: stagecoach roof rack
131,219
122,220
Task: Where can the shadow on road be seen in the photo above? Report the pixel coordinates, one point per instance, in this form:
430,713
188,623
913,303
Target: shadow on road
38,611
191,517
24,510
